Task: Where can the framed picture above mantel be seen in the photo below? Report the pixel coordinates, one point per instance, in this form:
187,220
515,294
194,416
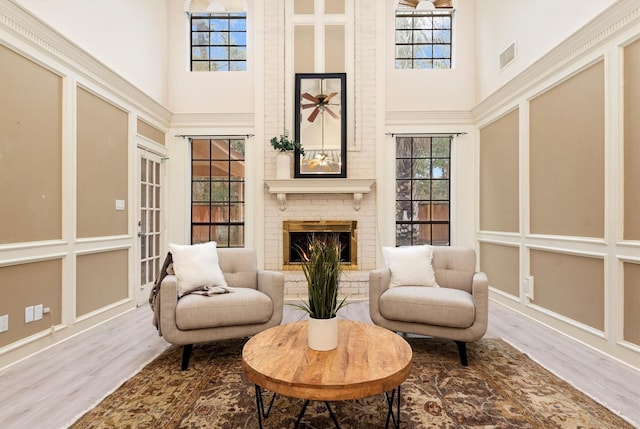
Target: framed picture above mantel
321,125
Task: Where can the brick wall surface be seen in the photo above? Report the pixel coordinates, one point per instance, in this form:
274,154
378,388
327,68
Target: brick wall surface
361,154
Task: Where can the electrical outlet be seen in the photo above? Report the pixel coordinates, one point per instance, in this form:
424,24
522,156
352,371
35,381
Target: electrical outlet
4,323
28,314
37,312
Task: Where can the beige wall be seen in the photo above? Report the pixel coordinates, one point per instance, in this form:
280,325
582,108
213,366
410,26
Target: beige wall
332,43
570,285
567,157
303,6
632,141
101,279
31,178
499,174
30,150
579,185
150,132
303,49
65,146
632,302
501,264
103,166
334,6
28,285
334,49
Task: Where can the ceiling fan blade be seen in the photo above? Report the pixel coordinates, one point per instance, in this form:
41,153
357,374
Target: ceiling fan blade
410,3
313,115
329,97
310,97
306,106
329,111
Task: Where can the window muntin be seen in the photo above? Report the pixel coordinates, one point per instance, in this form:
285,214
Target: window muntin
423,40
217,191
423,184
219,42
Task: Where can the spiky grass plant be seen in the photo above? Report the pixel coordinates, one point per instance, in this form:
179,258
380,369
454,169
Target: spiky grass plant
321,266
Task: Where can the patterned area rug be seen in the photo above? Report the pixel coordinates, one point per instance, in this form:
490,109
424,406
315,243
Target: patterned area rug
501,388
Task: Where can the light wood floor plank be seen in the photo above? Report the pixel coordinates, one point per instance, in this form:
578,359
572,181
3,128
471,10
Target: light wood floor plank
51,388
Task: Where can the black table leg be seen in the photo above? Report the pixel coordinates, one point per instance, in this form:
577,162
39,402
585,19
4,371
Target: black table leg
391,416
333,416
393,398
326,404
304,408
260,405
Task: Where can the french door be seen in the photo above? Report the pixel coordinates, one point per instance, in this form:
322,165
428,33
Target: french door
149,221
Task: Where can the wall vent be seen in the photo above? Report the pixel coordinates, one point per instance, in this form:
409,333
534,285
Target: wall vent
508,55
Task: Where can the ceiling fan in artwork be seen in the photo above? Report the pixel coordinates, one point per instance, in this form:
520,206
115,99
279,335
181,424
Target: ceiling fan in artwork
424,4
321,104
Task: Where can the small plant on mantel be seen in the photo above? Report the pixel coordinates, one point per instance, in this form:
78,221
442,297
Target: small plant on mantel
284,144
321,266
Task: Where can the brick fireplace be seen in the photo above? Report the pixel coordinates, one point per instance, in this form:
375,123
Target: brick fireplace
318,206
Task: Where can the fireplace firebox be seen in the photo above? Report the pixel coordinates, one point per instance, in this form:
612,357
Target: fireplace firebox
298,233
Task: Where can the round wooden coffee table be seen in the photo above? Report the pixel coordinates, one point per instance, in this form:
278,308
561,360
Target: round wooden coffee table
368,361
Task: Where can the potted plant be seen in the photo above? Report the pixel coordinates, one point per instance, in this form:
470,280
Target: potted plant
321,266
284,145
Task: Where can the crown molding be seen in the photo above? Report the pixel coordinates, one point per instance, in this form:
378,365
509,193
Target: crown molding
37,34
213,120
428,118
609,24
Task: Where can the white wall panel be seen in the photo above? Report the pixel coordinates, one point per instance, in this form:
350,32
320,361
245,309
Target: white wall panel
433,90
130,37
207,92
536,27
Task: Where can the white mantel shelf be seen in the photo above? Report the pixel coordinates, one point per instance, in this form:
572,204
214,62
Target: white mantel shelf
282,187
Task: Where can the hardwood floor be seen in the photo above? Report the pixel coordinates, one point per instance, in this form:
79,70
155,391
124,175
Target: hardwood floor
52,388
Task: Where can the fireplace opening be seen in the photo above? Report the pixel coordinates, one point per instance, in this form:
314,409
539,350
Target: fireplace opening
297,234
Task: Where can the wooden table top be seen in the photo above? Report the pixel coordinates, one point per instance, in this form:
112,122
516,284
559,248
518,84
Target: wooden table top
369,360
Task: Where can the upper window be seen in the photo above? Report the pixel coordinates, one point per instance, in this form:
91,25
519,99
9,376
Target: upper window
423,39
423,183
219,42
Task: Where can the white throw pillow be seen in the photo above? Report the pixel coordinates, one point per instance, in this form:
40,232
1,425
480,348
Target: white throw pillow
410,265
196,266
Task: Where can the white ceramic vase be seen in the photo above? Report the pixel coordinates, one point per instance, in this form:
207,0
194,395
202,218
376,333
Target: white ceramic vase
283,166
323,334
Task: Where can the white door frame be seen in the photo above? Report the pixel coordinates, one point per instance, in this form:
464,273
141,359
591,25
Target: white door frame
150,222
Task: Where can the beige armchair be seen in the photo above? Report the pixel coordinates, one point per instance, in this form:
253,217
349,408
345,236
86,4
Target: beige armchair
457,310
255,304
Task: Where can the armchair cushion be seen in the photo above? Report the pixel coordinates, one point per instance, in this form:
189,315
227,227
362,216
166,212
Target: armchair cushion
245,306
196,266
410,265
441,306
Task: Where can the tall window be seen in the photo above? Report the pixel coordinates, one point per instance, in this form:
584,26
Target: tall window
423,39
423,183
219,42
217,191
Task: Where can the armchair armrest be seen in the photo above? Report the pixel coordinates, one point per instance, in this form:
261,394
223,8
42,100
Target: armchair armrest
480,292
379,281
168,300
272,284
